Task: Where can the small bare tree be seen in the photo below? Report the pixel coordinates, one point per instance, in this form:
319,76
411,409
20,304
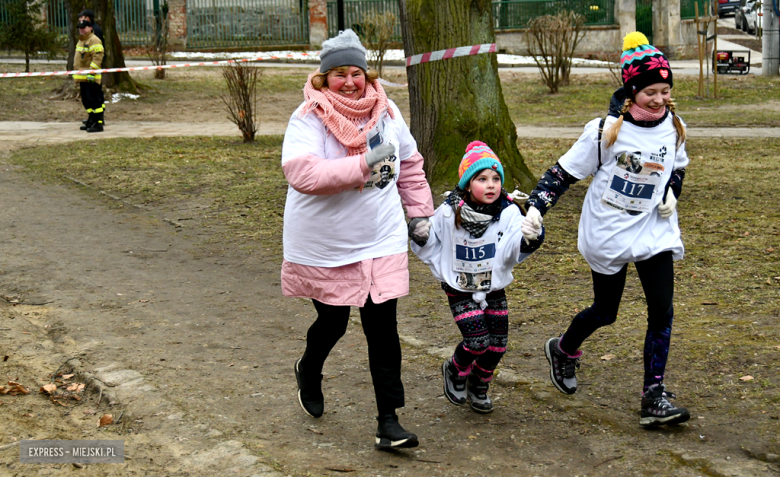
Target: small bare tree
241,99
158,48
551,41
376,33
615,71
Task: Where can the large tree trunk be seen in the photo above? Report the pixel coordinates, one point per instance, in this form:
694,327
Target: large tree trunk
456,101
114,57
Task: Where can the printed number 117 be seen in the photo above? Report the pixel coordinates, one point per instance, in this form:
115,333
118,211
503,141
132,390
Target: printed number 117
633,186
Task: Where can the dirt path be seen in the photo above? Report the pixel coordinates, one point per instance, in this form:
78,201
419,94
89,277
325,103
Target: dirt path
197,344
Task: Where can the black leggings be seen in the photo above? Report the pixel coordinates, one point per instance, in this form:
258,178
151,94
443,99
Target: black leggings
384,347
657,277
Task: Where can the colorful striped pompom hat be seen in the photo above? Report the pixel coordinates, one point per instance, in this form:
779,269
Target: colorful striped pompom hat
478,157
642,64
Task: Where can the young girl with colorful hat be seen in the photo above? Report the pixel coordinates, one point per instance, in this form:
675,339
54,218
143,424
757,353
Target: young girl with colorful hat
474,242
628,216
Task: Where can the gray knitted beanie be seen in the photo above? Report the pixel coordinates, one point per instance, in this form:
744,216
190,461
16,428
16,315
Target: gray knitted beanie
343,50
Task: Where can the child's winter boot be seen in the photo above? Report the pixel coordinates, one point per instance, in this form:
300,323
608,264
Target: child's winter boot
477,393
657,410
454,384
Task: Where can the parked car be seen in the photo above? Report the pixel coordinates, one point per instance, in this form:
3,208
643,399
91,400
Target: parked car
746,16
727,6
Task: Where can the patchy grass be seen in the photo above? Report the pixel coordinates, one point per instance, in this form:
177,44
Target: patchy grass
726,294
239,188
588,97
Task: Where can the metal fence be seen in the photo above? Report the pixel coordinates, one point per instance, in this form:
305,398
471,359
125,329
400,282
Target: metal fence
644,18
135,20
510,14
356,11
688,10
247,23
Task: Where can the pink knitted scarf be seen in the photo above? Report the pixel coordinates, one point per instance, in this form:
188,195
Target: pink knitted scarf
643,115
343,116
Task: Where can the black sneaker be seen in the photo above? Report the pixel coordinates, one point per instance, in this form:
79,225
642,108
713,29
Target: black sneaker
478,399
562,366
309,392
390,434
454,384
657,410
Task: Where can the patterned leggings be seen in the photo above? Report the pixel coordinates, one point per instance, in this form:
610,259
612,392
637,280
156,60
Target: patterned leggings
484,332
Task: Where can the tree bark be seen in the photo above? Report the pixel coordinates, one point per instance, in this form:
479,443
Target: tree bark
459,100
114,57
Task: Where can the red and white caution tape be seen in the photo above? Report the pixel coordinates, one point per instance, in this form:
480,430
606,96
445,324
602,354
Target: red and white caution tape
443,55
450,53
139,68
388,83
410,61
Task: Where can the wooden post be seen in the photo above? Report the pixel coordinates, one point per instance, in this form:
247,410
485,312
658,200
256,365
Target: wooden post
714,55
698,45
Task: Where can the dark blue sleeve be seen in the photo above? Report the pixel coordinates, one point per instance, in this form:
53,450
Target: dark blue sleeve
532,247
553,184
676,182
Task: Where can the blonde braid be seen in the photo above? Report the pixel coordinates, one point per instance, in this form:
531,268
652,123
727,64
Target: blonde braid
678,125
610,135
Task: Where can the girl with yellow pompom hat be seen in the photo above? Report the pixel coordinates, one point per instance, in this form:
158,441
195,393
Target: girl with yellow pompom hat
628,216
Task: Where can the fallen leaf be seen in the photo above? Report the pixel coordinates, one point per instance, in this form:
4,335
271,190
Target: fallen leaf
77,387
144,301
316,431
340,469
106,420
770,250
25,333
231,364
49,388
778,347
746,234
746,378
16,388
607,357
67,376
27,414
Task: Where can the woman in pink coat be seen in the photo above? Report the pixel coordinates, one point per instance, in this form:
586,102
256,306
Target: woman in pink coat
353,167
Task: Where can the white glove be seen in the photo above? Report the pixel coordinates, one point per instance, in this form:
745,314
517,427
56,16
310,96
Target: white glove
379,154
420,230
532,224
666,209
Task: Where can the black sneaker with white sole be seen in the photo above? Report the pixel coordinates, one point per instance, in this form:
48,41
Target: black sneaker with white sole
477,393
309,392
657,410
562,366
454,384
390,434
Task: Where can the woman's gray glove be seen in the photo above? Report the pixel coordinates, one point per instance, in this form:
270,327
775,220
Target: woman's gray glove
379,154
420,230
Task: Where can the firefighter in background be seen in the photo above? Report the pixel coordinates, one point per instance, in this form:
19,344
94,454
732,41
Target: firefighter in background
89,55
